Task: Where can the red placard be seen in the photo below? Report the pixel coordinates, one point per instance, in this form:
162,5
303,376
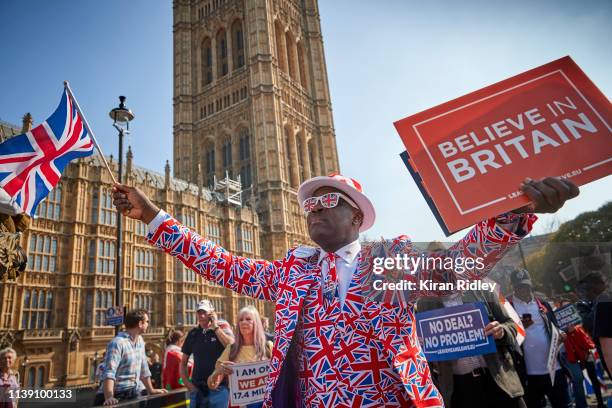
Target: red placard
473,152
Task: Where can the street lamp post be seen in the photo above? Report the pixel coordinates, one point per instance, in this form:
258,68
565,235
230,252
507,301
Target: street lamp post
121,117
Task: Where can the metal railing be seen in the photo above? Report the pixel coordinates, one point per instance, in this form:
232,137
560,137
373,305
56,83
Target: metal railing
84,398
173,399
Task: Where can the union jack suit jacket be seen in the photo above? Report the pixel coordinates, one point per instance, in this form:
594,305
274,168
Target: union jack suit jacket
362,354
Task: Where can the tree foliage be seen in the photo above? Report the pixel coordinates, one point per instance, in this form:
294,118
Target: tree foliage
585,237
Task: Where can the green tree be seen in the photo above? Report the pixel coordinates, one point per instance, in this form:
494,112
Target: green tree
589,232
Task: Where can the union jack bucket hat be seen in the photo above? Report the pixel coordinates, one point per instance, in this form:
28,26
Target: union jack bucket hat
348,186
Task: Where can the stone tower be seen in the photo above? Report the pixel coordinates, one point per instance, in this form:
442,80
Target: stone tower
251,100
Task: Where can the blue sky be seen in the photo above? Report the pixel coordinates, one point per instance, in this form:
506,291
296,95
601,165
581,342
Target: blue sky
386,60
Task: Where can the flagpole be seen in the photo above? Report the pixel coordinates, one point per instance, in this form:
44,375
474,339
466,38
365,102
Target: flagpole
91,133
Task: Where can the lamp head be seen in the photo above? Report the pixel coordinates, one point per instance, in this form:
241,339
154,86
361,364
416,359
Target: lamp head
121,115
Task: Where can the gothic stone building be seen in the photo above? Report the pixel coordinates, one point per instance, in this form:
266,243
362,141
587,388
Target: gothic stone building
251,101
54,314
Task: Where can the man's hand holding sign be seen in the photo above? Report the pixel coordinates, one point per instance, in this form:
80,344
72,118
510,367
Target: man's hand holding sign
494,329
546,195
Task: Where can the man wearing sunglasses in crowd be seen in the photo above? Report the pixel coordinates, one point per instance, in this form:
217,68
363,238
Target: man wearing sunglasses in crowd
334,345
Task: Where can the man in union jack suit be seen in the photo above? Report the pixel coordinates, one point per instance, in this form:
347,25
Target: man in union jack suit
335,346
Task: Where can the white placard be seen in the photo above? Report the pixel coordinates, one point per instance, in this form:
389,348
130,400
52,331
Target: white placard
553,351
248,382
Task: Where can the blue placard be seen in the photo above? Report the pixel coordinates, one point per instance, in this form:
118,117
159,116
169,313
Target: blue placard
114,316
566,316
454,332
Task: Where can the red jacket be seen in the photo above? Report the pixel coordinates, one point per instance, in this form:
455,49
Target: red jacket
171,377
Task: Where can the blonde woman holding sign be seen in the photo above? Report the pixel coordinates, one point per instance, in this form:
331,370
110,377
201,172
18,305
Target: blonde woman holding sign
250,346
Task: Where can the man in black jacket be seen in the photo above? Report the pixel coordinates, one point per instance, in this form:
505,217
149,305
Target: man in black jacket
594,308
490,376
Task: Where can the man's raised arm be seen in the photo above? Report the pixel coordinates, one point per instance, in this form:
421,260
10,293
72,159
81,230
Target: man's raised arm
490,239
473,257
249,277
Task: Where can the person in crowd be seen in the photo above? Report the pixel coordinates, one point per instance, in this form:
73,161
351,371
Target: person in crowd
602,328
155,367
126,363
100,370
9,379
490,376
205,342
318,296
594,304
539,321
250,346
578,349
266,326
171,374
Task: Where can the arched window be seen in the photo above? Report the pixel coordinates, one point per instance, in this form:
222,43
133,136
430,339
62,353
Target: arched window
245,175
106,257
313,171
300,152
207,64
245,158
40,377
106,214
94,206
209,164
48,309
221,53
104,300
50,207
292,165
287,157
227,157
302,65
291,62
43,253
144,265
237,45
245,148
37,308
31,377
281,53
26,305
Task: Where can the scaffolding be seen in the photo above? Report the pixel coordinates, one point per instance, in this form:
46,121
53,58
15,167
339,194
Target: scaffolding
231,189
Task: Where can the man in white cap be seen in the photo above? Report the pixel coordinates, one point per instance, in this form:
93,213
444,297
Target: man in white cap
206,343
334,346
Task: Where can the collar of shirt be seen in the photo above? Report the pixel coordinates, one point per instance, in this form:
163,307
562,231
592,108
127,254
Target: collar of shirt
348,253
453,300
126,335
520,301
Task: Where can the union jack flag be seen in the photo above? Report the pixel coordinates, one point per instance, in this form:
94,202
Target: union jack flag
31,164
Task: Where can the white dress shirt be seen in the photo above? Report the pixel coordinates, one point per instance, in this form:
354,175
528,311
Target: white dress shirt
346,264
537,340
156,222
